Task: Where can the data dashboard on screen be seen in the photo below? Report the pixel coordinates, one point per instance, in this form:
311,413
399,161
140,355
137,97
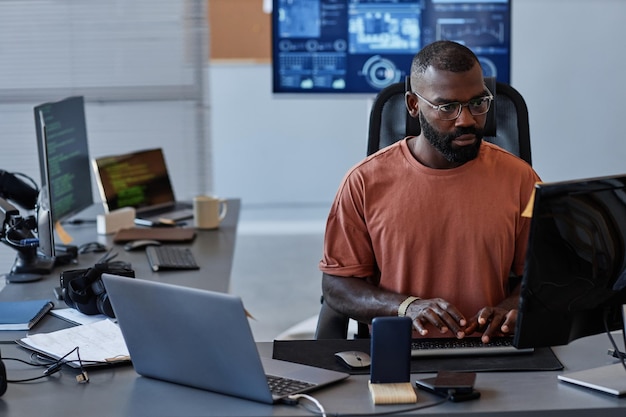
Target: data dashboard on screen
362,46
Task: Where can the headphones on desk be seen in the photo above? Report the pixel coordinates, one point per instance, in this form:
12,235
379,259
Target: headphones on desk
84,290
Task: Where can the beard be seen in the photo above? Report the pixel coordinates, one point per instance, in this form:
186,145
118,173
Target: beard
443,142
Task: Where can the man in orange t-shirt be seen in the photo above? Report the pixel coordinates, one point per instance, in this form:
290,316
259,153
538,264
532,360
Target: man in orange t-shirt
431,227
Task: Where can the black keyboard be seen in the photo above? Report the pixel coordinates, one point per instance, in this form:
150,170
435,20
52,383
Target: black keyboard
282,386
170,257
469,346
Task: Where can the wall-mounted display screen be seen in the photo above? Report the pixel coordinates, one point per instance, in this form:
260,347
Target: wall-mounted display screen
362,46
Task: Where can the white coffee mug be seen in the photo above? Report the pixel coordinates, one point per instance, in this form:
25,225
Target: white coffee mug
208,212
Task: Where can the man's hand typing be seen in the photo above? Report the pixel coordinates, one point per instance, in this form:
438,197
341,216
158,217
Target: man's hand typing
439,313
492,322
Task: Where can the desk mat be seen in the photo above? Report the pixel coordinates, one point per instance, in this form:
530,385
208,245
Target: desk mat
320,353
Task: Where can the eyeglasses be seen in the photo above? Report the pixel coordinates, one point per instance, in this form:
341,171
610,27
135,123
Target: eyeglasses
451,111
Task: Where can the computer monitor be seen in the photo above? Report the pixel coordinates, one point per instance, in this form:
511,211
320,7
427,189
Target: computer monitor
575,273
64,165
363,46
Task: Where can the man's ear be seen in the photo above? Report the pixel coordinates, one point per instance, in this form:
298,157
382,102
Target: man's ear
412,104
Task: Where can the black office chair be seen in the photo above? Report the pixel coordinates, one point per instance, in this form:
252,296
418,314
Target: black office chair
506,126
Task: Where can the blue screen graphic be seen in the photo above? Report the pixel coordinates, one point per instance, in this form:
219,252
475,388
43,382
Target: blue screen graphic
352,46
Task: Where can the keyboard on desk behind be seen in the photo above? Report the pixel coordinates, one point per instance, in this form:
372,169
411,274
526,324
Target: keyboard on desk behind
170,257
469,346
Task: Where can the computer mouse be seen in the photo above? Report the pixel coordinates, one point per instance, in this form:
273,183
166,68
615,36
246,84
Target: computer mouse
354,359
140,244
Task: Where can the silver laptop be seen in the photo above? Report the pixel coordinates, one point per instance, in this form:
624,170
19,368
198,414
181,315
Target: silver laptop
201,339
610,379
140,180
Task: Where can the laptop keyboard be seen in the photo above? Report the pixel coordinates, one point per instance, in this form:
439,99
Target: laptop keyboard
281,386
181,211
176,215
170,257
469,346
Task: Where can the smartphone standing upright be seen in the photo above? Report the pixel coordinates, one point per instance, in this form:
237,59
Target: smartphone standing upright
390,350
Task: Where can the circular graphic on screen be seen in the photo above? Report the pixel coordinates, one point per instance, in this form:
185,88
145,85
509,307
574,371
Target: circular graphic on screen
340,45
285,45
380,72
489,68
311,45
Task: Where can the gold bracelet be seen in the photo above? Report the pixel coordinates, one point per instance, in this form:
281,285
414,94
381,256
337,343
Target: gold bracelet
404,306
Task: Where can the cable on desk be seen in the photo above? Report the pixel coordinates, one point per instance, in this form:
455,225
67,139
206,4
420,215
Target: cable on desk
617,352
92,247
294,400
79,221
52,368
319,405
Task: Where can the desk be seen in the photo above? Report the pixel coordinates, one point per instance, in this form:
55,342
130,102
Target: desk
212,249
121,392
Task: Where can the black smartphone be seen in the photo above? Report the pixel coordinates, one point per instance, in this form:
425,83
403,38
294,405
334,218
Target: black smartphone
460,382
458,386
390,350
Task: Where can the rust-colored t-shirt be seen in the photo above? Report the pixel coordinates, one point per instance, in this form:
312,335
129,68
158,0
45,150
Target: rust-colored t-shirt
454,233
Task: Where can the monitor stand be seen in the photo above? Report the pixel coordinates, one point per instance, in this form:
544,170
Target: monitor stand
29,265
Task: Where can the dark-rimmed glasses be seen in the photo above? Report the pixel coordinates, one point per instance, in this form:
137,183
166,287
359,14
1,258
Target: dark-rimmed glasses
451,111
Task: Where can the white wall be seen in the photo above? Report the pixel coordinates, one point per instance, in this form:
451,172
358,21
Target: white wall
278,150
567,60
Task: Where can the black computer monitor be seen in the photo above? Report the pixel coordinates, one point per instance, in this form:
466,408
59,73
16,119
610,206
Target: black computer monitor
363,46
575,274
64,163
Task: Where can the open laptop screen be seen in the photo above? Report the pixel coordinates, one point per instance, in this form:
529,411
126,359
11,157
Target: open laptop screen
139,179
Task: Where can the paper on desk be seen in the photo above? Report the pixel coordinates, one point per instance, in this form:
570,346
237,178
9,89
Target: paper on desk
99,343
76,317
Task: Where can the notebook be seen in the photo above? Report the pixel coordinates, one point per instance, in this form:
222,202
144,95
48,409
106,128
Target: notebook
23,315
201,339
140,180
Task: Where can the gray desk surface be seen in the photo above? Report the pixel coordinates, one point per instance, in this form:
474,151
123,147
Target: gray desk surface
212,249
121,392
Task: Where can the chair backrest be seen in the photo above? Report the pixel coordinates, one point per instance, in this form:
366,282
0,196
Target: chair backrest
506,126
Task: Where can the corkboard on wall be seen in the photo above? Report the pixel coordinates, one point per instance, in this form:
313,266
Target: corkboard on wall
239,30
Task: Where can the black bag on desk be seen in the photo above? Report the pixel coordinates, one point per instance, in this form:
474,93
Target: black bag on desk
83,288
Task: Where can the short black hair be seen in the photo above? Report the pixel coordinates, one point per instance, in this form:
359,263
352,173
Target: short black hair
443,55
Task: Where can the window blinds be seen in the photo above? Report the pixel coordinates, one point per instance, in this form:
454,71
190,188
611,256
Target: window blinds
139,63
